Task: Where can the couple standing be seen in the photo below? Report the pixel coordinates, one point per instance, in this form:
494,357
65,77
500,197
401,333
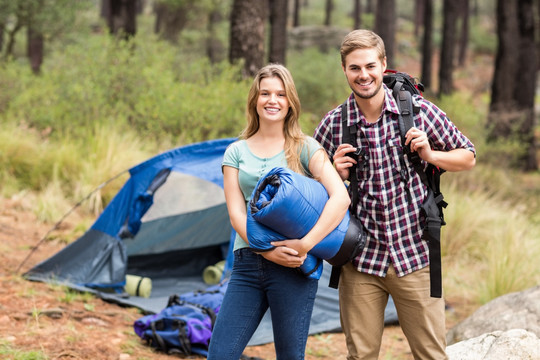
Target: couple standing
395,259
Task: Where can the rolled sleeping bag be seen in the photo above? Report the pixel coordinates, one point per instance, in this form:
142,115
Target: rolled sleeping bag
212,274
286,205
138,286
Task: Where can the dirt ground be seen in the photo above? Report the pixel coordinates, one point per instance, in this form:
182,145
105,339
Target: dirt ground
67,325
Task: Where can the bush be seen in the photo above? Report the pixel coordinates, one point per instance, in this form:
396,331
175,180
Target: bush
142,84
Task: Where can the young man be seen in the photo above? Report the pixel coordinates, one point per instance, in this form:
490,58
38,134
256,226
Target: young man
395,260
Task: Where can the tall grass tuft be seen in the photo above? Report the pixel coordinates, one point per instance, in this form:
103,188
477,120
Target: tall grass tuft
57,174
490,247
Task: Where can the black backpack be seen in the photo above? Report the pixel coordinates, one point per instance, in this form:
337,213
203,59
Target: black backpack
403,87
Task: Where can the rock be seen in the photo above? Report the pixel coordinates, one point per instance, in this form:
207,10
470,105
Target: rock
515,344
94,321
519,310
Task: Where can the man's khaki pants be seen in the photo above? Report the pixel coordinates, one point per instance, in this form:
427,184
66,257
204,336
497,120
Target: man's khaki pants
363,299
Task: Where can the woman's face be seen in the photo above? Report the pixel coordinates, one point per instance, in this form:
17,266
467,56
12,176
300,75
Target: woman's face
272,102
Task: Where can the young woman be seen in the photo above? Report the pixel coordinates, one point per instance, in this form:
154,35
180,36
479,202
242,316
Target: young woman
270,279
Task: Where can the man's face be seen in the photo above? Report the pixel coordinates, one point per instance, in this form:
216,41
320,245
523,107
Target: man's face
364,71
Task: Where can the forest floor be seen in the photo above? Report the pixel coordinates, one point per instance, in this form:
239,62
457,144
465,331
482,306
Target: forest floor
65,325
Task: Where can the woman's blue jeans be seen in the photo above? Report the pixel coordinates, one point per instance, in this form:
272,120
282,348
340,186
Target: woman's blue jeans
257,284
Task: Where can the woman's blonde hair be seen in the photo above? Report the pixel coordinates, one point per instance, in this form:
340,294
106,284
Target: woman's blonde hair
294,137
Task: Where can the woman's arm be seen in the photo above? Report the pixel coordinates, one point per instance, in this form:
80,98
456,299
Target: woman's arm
236,206
334,210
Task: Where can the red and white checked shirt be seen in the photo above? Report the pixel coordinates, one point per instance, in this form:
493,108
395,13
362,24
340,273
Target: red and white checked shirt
394,224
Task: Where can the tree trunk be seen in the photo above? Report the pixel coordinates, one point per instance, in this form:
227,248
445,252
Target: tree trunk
427,44
105,11
35,49
385,27
537,5
2,26
122,20
140,6
369,7
278,31
451,10
526,75
512,109
170,20
296,13
419,12
11,36
247,34
214,48
506,61
475,8
464,35
328,12
357,14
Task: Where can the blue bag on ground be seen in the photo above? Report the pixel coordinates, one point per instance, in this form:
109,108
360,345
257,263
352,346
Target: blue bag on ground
286,205
185,325
211,297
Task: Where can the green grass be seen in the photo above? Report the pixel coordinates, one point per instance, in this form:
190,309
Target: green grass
490,245
8,352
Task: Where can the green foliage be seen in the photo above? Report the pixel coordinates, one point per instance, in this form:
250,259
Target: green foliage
319,81
140,84
482,39
50,18
8,352
467,114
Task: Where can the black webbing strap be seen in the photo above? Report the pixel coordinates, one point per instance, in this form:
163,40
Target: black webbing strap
348,137
434,202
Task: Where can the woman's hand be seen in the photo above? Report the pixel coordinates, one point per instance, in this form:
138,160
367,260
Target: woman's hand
301,247
284,256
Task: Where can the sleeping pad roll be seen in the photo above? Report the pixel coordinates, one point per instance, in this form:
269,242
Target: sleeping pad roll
286,205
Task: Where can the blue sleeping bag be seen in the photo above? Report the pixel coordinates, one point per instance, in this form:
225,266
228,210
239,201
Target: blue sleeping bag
286,205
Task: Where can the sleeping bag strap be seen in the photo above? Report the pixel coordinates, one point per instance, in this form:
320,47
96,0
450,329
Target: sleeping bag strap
434,203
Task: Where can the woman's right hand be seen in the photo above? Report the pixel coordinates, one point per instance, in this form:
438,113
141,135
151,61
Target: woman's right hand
284,256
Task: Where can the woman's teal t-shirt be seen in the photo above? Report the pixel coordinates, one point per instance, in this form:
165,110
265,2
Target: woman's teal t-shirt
251,168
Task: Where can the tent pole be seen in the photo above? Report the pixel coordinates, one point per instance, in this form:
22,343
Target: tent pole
57,225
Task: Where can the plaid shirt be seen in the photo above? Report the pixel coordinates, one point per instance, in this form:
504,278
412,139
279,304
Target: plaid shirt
394,224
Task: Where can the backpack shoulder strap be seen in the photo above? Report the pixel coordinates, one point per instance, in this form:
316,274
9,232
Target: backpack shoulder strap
434,203
349,137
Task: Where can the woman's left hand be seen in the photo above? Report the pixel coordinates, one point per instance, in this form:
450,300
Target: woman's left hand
298,245
284,256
